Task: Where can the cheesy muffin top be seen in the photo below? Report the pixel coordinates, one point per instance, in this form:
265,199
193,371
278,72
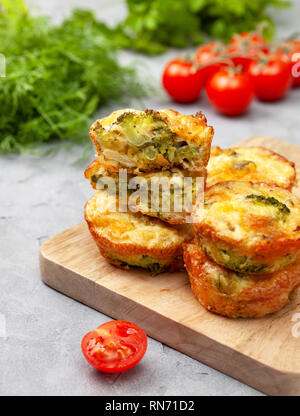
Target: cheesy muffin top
256,164
132,228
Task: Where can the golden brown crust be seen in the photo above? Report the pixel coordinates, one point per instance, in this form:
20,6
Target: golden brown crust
261,295
171,259
229,219
255,164
265,251
174,264
190,128
159,253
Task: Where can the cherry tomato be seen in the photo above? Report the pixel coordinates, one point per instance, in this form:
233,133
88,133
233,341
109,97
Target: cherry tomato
207,55
245,47
115,346
290,51
182,81
230,91
295,58
271,76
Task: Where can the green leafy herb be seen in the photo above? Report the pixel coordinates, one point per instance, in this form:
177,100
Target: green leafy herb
153,25
283,210
56,76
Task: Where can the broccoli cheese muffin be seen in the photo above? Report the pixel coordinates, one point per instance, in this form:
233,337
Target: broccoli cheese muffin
248,227
143,141
236,295
127,239
255,164
168,195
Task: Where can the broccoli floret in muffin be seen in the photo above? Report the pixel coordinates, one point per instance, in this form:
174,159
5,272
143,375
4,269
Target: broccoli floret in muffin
282,209
140,130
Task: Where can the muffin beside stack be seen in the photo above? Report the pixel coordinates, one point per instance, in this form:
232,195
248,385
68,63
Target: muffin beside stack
245,258
149,145
255,164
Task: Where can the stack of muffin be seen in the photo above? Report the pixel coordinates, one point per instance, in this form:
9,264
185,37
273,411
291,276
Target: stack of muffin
242,252
245,258
145,146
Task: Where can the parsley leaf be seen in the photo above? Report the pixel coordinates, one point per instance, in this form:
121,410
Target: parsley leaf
56,77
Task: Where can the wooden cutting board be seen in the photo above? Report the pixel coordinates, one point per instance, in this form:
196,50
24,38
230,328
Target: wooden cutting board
264,353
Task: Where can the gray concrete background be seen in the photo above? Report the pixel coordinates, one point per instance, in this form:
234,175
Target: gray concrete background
40,329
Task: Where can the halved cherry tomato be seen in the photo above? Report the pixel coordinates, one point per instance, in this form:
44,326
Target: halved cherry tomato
271,76
115,346
182,81
230,91
245,47
207,55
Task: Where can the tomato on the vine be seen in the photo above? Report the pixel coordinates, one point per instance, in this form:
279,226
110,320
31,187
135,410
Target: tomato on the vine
295,58
230,91
290,51
182,81
245,47
271,76
115,346
210,58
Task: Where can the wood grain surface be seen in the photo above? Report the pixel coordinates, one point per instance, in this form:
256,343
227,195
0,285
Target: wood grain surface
264,353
